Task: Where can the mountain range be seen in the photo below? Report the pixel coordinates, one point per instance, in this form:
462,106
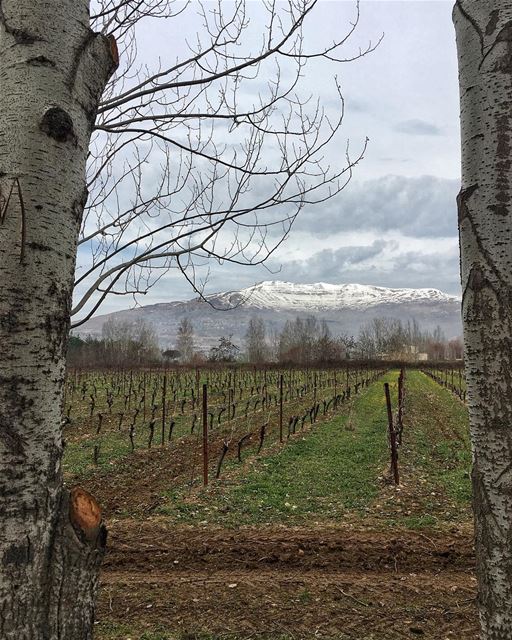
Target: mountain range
345,307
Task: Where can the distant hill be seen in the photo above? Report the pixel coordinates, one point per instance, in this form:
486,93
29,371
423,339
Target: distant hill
345,307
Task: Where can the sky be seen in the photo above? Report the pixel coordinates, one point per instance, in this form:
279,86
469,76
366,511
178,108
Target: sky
394,224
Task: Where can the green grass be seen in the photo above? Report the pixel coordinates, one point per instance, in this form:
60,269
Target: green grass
426,521
332,469
119,631
335,469
440,436
114,447
78,456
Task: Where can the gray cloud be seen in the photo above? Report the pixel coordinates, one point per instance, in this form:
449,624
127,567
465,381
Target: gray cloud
359,106
332,265
355,255
365,265
417,269
394,160
417,128
422,207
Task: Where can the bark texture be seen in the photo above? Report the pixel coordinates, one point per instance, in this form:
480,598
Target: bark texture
484,42
53,69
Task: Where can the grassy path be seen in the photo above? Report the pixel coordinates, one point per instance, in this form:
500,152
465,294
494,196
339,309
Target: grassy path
440,433
434,461
339,470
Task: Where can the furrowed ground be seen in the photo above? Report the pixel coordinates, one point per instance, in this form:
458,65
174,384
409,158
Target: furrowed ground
306,539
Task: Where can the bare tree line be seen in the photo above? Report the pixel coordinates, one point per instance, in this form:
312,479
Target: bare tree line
302,341
308,340
122,344
391,338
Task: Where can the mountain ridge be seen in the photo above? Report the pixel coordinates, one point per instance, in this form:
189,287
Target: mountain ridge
345,307
323,295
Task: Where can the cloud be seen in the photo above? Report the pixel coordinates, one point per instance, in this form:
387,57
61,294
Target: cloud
359,106
352,238
382,263
417,128
332,265
421,269
422,207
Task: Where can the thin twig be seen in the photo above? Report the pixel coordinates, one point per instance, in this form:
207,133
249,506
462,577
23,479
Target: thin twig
347,595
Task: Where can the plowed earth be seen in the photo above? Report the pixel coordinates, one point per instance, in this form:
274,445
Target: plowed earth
329,582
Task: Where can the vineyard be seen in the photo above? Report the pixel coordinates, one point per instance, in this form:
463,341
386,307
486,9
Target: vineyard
450,377
278,503
226,411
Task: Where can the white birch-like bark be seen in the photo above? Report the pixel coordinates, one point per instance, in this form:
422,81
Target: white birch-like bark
484,42
53,69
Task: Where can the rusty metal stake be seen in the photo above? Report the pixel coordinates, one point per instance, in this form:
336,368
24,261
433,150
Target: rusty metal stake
164,401
392,437
281,408
205,435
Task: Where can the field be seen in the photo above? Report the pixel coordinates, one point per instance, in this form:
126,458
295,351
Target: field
304,533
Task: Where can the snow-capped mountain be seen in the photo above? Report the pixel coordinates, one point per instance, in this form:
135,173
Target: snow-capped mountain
322,296
345,307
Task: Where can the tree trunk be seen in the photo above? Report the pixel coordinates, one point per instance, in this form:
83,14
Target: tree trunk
484,41
53,70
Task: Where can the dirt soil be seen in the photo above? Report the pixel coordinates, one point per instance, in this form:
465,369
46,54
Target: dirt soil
137,488
330,582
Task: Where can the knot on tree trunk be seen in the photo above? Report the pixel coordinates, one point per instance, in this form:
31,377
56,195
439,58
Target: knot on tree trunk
58,124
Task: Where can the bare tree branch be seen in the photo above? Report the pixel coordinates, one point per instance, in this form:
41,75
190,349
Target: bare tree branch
189,163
